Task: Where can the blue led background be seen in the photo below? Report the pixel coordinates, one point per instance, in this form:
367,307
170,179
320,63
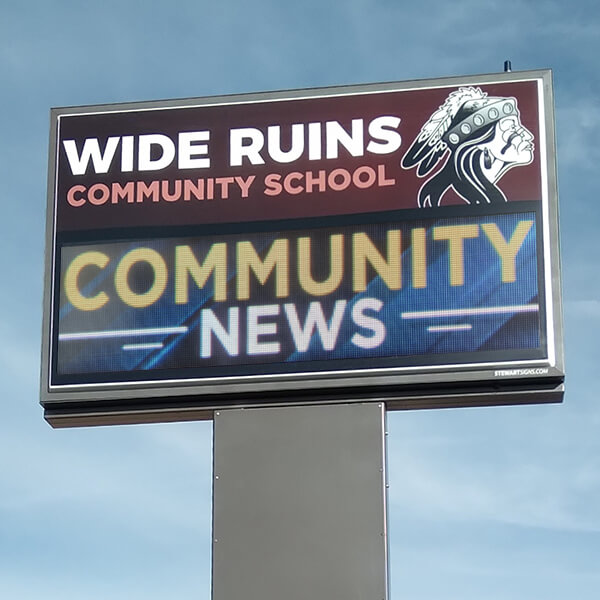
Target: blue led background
122,340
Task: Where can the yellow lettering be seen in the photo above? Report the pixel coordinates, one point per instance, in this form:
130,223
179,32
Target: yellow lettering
276,258
74,295
507,250
389,270
215,262
336,266
156,261
455,234
419,258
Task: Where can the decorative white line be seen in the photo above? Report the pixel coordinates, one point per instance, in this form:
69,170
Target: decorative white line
465,312
457,327
89,335
149,346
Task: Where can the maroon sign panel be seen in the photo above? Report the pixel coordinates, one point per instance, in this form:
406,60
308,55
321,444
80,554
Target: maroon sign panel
390,241
317,156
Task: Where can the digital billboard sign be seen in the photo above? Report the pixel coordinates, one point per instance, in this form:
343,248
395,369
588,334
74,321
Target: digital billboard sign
393,241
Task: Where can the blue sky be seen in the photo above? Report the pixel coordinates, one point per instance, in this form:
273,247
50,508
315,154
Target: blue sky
495,503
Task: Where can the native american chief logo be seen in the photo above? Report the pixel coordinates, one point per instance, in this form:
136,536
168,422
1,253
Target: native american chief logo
479,138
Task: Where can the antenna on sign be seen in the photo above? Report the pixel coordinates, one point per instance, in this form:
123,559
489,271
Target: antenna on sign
507,66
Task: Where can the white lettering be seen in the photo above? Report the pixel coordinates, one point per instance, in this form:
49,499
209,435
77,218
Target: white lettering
91,150
315,318
362,320
255,329
145,160
382,129
336,135
188,150
245,142
127,154
274,144
314,141
229,339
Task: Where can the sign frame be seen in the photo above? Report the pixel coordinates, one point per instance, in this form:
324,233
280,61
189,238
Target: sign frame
512,382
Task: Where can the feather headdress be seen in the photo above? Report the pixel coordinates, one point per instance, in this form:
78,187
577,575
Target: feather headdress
430,145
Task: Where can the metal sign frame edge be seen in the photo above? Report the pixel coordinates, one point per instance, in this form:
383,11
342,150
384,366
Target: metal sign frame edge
57,402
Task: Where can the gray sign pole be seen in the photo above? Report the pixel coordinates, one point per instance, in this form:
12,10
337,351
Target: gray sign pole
299,503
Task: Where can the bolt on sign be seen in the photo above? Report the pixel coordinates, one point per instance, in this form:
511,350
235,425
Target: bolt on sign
395,241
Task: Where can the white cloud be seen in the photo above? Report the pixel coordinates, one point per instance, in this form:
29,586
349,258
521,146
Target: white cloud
122,473
583,309
578,132
535,474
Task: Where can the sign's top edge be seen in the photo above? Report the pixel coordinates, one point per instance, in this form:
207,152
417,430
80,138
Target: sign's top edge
299,93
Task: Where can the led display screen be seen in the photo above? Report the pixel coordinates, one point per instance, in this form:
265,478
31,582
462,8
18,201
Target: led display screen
387,293
375,237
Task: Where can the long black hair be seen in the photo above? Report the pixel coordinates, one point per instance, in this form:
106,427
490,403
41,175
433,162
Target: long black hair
463,172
